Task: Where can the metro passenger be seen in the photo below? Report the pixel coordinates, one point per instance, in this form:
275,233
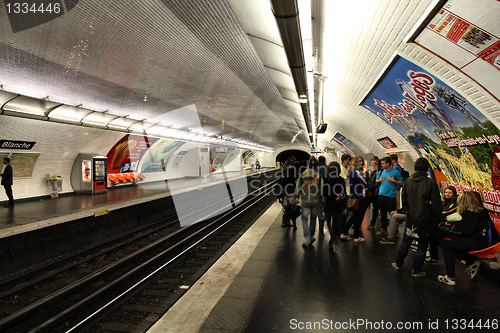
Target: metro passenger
477,233
335,198
422,203
357,185
308,189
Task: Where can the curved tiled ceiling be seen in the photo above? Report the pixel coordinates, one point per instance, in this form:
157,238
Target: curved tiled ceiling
150,59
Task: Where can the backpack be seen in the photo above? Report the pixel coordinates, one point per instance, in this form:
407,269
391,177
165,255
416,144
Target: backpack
405,174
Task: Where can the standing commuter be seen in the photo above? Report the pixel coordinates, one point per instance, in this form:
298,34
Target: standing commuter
389,180
357,183
334,195
396,166
288,180
372,189
422,203
308,189
321,170
257,164
7,181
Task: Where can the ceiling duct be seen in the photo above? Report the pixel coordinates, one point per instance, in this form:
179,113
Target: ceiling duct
318,13
286,13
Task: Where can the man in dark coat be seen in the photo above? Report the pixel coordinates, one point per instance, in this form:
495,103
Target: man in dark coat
7,181
422,203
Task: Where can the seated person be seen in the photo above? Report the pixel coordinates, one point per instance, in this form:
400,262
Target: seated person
477,233
396,219
449,214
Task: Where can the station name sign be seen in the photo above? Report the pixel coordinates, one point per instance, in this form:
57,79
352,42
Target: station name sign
11,144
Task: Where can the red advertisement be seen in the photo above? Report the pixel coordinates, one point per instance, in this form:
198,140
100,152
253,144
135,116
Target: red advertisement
126,153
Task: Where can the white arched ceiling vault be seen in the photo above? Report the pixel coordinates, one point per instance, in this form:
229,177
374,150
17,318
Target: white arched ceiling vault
147,59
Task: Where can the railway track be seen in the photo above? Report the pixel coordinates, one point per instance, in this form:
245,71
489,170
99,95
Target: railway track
127,285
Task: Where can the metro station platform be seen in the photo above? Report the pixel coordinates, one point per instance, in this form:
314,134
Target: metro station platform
267,282
28,215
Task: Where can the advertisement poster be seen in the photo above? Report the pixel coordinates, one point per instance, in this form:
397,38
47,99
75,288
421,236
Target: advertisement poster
158,155
347,146
457,139
387,143
126,153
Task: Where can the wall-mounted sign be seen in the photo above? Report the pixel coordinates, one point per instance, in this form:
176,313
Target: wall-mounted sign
11,144
387,143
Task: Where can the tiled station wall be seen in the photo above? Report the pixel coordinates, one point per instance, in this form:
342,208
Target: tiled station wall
58,145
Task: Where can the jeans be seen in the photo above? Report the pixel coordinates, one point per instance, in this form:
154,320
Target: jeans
310,209
396,220
375,210
385,205
419,255
333,220
458,248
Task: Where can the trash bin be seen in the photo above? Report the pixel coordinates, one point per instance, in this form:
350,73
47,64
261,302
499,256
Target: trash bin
55,185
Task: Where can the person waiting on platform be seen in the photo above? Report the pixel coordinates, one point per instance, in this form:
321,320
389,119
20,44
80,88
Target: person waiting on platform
321,170
390,180
357,184
422,203
477,232
334,198
308,189
257,164
372,189
449,214
7,181
288,180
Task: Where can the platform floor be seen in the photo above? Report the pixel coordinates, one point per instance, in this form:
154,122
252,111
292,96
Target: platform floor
28,215
282,287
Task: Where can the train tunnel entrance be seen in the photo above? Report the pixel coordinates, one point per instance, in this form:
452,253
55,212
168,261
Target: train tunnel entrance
301,156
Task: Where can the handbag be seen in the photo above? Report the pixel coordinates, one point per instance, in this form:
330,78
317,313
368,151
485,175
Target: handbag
452,230
353,204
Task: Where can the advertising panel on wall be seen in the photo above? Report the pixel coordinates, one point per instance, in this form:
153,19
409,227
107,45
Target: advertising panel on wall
387,143
457,139
126,153
345,144
467,34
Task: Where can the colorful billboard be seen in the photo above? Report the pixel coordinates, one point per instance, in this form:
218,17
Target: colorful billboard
457,139
345,144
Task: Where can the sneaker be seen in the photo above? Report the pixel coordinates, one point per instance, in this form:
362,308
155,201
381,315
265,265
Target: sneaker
359,240
395,266
380,232
419,274
388,240
345,237
306,244
446,280
472,270
370,227
430,261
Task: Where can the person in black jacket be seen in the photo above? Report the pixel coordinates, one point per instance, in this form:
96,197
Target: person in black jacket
7,181
422,203
334,200
477,232
449,208
372,189
288,179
